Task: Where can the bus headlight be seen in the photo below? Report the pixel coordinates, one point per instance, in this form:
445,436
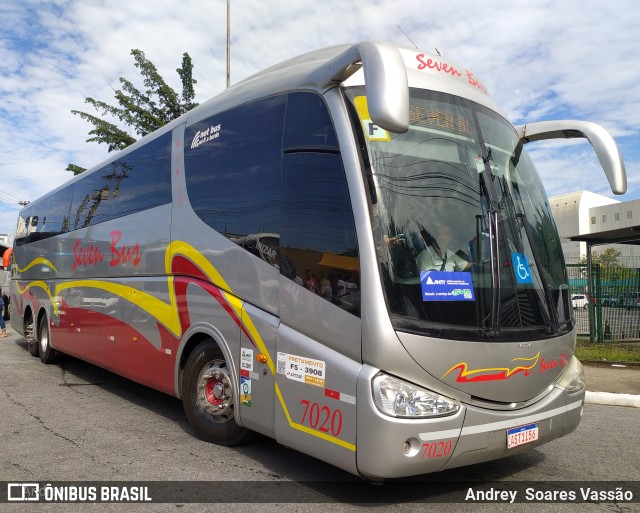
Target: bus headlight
398,398
572,380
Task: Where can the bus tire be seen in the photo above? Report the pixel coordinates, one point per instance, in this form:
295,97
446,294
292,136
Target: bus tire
47,353
32,344
208,396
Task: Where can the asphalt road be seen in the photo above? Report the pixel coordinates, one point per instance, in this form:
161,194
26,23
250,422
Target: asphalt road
73,421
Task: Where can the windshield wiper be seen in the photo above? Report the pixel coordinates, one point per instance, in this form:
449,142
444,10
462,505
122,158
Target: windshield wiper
552,314
493,212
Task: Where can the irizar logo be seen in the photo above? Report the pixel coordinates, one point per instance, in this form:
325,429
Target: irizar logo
203,136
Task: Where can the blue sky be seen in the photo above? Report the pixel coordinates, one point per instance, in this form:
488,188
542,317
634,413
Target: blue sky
541,60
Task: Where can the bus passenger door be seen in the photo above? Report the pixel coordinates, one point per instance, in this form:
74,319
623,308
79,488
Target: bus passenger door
316,389
257,369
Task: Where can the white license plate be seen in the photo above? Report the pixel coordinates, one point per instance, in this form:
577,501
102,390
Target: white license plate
522,435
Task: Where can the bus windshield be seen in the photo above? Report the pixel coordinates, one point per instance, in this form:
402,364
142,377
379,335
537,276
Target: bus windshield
463,229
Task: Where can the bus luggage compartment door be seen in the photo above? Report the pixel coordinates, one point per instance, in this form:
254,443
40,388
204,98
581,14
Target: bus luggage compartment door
316,399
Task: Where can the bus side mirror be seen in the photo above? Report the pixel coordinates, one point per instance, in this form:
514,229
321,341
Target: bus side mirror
604,145
385,81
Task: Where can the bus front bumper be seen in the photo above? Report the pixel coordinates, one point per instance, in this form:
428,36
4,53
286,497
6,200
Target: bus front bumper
389,447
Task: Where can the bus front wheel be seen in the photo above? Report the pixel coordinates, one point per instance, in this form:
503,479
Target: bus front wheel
208,396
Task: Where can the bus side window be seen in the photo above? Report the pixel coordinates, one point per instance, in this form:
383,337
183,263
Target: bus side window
318,245
91,200
308,124
141,179
232,163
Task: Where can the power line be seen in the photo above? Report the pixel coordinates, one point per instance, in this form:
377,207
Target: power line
8,195
11,199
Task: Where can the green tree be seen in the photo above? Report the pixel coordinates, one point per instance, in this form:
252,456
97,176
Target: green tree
142,111
610,266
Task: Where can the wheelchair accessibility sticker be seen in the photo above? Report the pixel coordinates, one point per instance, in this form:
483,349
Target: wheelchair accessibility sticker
521,268
446,286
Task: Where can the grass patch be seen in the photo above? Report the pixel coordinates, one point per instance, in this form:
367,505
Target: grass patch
624,352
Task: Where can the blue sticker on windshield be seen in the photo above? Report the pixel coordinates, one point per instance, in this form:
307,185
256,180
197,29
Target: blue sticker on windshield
521,268
446,286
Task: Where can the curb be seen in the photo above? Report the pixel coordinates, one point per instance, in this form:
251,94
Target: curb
610,399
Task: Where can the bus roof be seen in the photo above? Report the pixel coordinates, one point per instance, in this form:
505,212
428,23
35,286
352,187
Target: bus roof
321,70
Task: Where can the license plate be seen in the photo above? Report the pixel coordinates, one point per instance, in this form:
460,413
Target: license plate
522,435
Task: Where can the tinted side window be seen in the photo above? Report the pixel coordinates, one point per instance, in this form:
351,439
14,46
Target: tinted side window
45,218
141,179
91,199
308,124
138,181
135,182
318,245
54,217
24,219
232,164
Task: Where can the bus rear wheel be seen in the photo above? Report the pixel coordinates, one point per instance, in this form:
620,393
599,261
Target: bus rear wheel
47,353
32,344
208,396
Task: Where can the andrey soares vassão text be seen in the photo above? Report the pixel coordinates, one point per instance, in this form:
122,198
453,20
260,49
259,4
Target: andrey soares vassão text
530,494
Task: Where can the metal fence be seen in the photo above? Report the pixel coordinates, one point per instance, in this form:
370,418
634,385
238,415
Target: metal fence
608,308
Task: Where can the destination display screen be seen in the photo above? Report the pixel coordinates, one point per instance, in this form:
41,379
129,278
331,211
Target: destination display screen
437,118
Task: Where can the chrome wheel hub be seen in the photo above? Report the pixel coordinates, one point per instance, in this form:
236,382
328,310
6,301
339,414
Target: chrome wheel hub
215,391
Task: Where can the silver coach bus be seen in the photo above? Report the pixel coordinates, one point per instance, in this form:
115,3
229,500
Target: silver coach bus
350,252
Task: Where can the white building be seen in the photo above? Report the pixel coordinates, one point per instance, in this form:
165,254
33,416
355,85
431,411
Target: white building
584,212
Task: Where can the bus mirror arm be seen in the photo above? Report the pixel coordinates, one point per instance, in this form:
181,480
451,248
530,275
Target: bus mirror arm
385,78
602,142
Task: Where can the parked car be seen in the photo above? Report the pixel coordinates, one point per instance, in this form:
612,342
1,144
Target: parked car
579,301
630,300
609,300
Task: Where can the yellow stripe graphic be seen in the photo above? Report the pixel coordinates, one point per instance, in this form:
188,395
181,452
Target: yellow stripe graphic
167,314
36,261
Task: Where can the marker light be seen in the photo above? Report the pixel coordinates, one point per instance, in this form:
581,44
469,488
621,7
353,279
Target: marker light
398,398
572,379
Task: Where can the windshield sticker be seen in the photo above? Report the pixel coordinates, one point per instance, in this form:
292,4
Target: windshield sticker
521,268
372,132
446,286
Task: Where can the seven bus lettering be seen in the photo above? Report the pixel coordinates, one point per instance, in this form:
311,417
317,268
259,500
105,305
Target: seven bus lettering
82,257
475,82
546,365
92,255
440,66
447,68
123,254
